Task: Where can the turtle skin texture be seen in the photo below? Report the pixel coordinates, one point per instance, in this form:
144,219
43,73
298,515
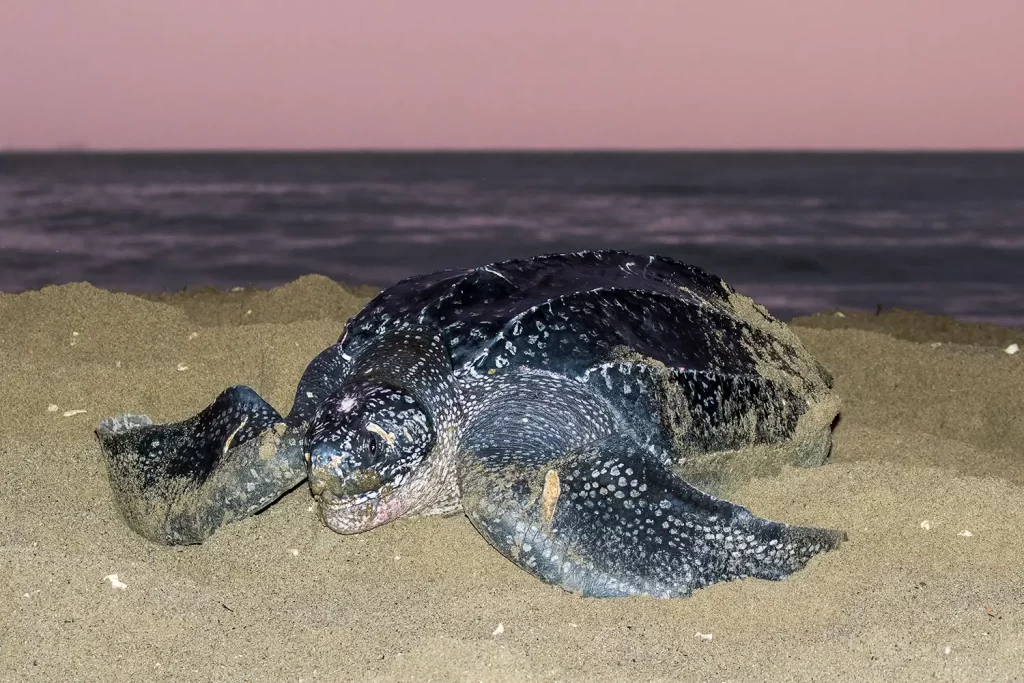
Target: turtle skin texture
588,412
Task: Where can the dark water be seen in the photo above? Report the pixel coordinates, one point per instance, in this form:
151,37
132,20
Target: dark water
801,232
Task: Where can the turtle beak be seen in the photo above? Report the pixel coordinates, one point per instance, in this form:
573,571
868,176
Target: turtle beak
327,477
319,486
324,460
324,484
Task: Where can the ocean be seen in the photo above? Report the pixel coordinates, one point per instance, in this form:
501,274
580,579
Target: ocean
800,232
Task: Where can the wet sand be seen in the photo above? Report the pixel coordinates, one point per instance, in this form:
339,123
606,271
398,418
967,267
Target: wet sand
926,477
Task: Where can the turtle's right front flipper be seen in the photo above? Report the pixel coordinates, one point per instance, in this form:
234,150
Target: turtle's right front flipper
178,483
608,520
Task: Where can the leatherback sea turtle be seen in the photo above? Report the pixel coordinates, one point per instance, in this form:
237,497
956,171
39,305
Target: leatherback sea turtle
587,411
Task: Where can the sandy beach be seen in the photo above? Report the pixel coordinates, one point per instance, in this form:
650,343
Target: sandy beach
926,477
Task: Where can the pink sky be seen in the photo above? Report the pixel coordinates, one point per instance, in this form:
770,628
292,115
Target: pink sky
512,74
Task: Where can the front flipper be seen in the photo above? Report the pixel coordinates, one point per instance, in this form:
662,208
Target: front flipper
178,483
606,520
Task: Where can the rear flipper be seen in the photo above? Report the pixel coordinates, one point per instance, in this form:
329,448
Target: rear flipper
605,521
178,483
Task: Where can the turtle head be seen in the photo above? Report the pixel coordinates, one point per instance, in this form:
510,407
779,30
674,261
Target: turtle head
364,448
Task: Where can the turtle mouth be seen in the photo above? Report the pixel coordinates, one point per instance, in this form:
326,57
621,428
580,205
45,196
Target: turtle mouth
357,512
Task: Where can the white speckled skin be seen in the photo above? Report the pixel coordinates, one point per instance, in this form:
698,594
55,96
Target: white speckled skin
554,400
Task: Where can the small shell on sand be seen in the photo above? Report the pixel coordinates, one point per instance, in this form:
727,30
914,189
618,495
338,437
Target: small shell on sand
498,631
52,408
926,525
70,413
965,533
182,367
703,636
115,582
1012,349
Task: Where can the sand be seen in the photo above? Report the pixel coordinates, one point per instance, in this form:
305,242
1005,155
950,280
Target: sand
926,477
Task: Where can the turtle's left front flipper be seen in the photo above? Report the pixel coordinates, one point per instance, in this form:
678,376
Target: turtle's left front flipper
178,483
608,520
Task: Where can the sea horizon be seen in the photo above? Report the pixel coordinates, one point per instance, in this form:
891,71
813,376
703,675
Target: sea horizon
801,230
